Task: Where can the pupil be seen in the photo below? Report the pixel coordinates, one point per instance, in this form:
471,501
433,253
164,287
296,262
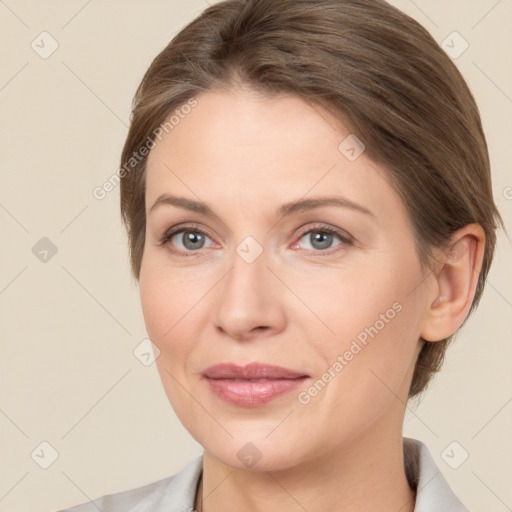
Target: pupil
192,239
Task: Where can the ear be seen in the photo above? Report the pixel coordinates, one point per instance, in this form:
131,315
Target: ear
456,277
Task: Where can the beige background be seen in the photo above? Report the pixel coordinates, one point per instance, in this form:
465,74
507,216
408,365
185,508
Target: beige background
68,375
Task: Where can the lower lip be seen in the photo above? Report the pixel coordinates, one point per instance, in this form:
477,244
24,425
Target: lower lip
246,393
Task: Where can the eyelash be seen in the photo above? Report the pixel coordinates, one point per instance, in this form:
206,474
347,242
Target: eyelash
319,228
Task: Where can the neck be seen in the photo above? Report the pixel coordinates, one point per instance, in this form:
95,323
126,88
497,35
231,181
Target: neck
357,476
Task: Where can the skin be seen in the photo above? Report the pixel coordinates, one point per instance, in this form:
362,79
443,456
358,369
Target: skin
297,305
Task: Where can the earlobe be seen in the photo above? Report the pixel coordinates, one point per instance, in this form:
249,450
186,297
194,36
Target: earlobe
456,280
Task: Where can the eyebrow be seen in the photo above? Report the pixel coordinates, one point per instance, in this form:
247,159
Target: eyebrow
284,210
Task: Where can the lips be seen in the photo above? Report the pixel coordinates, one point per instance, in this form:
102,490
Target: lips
252,385
252,371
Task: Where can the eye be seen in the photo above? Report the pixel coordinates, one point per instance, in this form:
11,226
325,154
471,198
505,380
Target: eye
185,239
321,238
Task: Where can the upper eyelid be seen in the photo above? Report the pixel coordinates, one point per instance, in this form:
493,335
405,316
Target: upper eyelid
174,230
303,229
327,227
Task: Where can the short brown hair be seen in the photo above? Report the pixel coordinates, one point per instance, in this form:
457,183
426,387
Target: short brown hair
361,59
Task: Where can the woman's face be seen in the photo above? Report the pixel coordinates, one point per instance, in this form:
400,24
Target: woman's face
332,292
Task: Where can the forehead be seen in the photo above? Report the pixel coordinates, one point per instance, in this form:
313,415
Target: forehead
241,119
239,146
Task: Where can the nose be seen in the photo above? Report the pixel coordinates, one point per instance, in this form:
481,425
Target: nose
249,300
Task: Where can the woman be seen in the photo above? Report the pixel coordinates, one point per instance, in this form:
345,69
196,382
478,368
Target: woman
307,194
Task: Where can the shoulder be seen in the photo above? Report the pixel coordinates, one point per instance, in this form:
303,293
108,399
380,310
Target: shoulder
169,494
433,493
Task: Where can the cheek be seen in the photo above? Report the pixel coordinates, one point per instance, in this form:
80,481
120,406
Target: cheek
371,375
155,307
375,324
174,305
357,303
165,303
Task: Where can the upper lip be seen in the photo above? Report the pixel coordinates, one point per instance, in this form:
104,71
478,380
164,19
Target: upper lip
250,371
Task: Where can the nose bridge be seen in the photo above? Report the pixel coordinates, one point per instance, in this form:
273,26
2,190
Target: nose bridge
246,299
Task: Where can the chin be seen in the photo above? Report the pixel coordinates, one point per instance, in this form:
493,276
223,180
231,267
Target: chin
249,450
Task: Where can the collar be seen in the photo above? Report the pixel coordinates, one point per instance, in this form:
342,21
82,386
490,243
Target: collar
433,493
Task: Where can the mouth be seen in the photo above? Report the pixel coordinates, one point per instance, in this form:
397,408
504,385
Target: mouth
252,385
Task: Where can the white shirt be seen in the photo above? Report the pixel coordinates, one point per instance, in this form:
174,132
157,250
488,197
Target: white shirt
177,493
